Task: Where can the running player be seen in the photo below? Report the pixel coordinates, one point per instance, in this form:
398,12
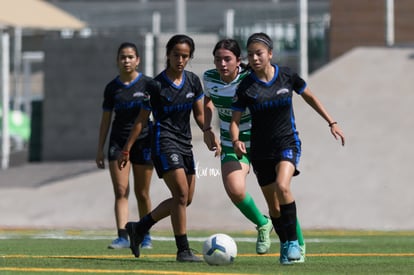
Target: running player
220,86
123,96
174,94
275,145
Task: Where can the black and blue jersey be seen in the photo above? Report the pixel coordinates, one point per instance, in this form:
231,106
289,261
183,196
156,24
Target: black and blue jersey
171,106
126,102
270,105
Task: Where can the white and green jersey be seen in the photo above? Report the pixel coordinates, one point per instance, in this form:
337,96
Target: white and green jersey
221,94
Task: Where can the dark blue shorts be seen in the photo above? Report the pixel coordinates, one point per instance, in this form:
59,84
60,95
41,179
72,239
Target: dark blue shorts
140,152
265,170
171,161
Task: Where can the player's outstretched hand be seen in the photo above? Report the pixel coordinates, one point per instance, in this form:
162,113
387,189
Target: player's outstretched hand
338,133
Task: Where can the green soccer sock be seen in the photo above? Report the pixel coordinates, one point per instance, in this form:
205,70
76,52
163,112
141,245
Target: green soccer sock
299,233
249,209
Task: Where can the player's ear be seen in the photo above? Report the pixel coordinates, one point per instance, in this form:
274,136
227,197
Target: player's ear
270,54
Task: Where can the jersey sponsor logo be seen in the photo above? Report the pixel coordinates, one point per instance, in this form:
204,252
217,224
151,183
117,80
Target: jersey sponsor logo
127,105
282,91
225,112
271,104
178,108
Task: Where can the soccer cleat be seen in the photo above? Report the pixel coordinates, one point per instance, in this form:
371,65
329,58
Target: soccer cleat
119,243
263,237
294,252
302,254
187,256
283,259
135,237
146,242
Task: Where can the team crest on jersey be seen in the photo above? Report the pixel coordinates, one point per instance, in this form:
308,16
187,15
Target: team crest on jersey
138,94
214,89
189,95
174,158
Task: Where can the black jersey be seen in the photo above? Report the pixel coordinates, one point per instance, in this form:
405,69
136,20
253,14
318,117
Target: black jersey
171,106
125,101
270,105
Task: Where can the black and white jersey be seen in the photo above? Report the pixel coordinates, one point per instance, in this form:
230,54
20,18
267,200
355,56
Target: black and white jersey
126,102
171,106
270,106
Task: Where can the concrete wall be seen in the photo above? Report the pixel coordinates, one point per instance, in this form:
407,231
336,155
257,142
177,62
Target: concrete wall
76,72
363,23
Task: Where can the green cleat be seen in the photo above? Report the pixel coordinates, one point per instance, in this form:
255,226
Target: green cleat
263,237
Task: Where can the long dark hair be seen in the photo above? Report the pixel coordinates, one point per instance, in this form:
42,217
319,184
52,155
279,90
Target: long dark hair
179,39
230,45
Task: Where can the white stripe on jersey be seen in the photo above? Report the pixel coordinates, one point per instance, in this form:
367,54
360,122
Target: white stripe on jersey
221,94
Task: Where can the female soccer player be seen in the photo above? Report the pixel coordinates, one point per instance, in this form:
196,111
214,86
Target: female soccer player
220,86
123,96
275,145
174,93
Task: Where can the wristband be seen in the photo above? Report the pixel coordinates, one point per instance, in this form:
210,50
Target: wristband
125,153
332,123
234,142
207,129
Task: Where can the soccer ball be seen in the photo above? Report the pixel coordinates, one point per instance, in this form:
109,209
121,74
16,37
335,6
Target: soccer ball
219,249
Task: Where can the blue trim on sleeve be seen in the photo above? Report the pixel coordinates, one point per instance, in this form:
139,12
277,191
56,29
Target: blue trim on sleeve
302,90
199,97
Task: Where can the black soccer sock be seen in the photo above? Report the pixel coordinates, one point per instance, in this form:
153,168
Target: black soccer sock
123,233
288,216
181,242
146,223
279,229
